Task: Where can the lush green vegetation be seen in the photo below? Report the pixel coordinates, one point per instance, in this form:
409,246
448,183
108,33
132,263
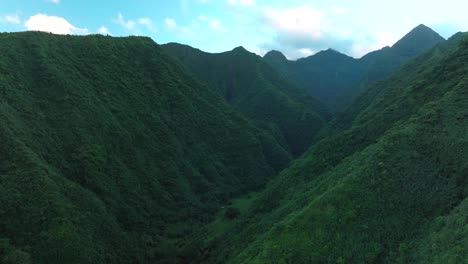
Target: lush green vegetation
111,153
390,189
257,91
336,79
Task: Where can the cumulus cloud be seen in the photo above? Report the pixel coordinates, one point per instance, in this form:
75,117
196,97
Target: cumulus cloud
53,24
104,31
213,23
306,52
181,31
370,42
12,19
147,22
170,23
134,25
303,30
302,22
127,24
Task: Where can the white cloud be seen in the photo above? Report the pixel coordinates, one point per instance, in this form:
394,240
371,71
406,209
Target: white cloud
148,23
302,31
305,52
104,30
54,1
302,22
145,21
127,24
374,41
215,24
202,18
53,24
171,24
133,25
182,31
12,19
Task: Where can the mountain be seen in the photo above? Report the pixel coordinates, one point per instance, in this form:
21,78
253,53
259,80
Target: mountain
275,55
420,39
258,92
110,152
345,120
336,79
392,188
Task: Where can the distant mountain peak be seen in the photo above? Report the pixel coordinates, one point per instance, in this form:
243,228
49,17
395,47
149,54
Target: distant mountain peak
240,49
422,27
418,40
275,55
329,53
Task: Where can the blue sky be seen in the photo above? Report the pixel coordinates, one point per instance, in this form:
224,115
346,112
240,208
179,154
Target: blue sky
298,28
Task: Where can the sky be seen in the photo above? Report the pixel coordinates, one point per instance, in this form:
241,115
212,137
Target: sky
298,28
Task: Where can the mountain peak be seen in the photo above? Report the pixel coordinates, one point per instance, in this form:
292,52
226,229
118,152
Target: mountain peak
239,49
418,40
423,27
275,55
329,53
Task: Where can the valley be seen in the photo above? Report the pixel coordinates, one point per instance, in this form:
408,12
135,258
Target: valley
121,150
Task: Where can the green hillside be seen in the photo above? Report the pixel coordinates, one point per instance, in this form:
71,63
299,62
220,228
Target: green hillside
336,79
392,188
402,77
118,150
257,91
111,153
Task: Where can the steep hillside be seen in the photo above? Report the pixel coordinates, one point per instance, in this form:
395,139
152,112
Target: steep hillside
391,189
112,153
337,79
257,91
402,77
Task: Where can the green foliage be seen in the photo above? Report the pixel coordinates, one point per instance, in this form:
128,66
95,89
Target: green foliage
445,240
11,255
232,213
390,189
256,90
111,153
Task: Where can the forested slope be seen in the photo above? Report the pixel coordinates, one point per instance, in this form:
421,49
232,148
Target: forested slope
390,189
337,80
259,92
111,153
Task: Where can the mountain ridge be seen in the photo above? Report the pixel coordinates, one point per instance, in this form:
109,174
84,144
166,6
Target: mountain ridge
108,147
337,79
391,188
257,91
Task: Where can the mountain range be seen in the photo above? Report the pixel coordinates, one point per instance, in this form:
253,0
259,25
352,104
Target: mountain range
392,188
108,147
337,79
120,150
253,88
